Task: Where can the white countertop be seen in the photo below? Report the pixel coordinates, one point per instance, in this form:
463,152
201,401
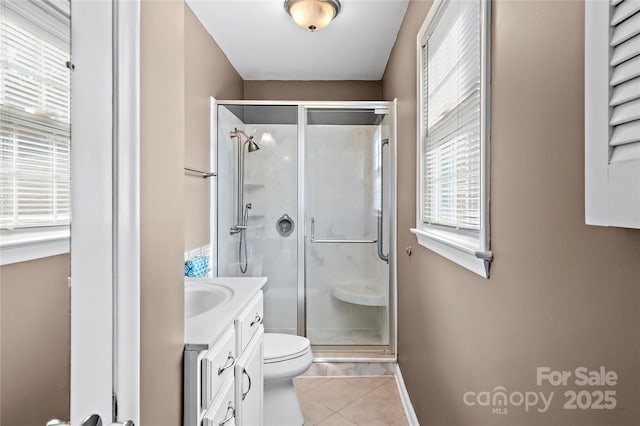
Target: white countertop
201,331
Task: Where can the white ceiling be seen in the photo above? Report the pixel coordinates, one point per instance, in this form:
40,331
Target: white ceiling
263,43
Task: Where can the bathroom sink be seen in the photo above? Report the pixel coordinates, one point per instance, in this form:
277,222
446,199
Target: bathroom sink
199,299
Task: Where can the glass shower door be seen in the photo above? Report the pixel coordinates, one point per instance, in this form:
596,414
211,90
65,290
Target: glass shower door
347,274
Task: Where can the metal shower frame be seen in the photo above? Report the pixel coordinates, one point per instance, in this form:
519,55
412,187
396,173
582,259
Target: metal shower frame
328,353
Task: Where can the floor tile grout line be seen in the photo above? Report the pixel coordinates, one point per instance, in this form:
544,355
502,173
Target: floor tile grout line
325,418
374,397
374,388
369,392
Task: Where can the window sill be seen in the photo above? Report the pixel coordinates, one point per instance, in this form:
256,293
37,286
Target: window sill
30,244
456,249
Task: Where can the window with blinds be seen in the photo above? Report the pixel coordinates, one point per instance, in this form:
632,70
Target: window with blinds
624,64
34,114
453,61
451,118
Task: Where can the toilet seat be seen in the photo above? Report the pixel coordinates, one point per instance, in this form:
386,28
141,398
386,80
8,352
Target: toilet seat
283,347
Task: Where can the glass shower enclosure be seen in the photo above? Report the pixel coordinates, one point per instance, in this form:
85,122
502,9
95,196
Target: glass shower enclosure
305,195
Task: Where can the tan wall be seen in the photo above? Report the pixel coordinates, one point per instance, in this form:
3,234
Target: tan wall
561,294
313,90
35,341
207,73
162,131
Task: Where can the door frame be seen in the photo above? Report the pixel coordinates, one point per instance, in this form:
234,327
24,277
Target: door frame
105,230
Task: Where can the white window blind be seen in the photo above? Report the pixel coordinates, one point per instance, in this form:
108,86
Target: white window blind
452,215
34,114
451,118
624,102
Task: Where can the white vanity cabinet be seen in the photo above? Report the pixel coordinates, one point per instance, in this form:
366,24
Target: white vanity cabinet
223,380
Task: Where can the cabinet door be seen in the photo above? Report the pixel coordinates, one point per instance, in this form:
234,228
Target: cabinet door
249,383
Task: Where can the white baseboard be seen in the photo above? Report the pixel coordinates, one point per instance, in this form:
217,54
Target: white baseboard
404,397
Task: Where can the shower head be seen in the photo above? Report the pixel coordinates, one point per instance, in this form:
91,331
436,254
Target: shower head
253,146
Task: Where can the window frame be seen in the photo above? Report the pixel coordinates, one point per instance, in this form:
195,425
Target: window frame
456,245
25,242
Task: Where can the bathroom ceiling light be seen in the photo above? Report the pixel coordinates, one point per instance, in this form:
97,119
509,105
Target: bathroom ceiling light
312,15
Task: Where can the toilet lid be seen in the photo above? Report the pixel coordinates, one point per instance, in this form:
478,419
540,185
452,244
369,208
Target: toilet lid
281,347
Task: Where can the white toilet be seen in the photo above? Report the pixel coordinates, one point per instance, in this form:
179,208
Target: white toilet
285,357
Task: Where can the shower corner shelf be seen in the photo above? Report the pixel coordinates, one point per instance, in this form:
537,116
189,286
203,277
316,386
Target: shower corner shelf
366,292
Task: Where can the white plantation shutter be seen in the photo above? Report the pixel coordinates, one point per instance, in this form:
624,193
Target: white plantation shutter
34,114
612,113
624,103
451,118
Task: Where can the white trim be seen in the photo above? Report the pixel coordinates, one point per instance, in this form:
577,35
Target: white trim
463,257
105,265
91,205
412,419
596,119
470,253
33,243
126,211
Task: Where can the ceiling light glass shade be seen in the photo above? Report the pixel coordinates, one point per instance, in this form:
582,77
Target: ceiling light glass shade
312,15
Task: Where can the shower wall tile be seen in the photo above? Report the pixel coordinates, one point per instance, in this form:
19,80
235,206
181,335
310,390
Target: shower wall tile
271,176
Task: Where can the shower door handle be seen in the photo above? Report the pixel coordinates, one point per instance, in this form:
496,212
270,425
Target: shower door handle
381,255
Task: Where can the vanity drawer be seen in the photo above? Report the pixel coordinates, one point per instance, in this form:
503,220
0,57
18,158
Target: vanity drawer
217,365
248,322
223,411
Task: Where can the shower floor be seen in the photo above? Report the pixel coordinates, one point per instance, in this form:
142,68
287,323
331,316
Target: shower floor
342,337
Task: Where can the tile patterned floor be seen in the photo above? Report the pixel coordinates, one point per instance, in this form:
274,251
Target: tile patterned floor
349,401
